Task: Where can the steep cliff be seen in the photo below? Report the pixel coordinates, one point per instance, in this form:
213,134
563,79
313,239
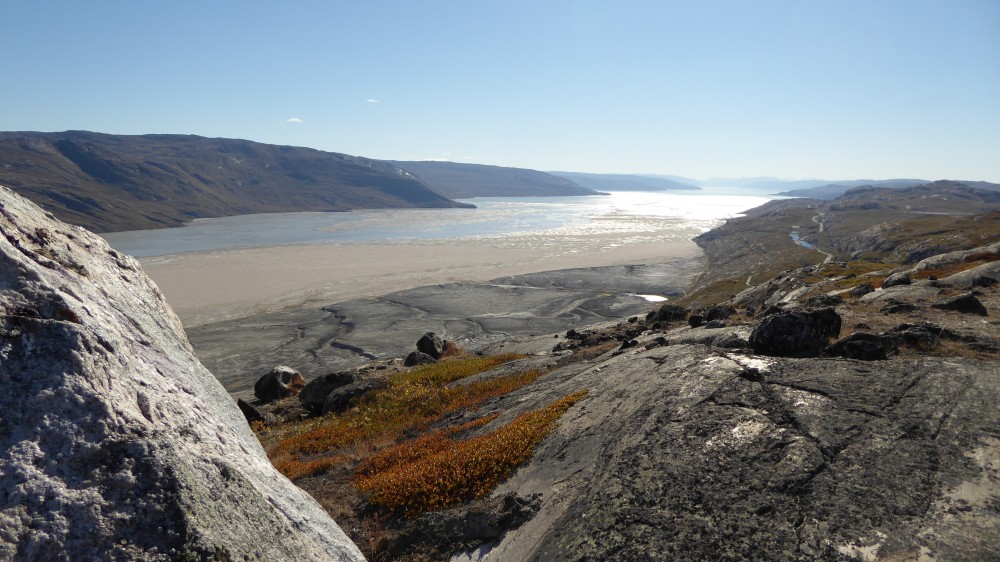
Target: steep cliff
117,444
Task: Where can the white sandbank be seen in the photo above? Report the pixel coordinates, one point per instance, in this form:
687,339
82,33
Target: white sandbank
210,286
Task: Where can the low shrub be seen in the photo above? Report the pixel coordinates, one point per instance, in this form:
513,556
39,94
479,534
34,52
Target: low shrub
434,472
411,401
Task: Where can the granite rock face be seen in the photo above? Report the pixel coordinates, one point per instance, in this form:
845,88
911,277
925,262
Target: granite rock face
117,444
688,452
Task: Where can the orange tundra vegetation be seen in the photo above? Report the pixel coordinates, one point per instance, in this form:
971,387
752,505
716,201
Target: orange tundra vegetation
434,472
412,401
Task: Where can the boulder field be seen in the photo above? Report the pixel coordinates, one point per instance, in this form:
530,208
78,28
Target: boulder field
115,442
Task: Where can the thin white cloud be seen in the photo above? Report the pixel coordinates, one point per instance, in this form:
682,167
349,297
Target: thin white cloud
294,120
373,100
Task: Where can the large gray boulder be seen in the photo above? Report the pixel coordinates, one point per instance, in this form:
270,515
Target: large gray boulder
431,344
314,393
897,279
795,334
966,304
282,382
115,442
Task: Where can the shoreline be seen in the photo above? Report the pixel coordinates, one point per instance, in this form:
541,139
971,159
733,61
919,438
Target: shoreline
216,286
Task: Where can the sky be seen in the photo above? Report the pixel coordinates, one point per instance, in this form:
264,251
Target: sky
841,89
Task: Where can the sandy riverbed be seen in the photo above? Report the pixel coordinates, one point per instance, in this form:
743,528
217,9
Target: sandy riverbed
209,287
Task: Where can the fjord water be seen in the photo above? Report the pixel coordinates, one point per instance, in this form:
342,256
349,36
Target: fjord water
631,217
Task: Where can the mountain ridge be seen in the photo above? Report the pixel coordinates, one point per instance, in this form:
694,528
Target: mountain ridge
131,182
461,181
836,189
626,182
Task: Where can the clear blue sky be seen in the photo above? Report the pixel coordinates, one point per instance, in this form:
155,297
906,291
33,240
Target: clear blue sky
799,89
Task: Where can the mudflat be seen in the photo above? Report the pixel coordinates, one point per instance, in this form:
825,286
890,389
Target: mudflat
321,308
209,287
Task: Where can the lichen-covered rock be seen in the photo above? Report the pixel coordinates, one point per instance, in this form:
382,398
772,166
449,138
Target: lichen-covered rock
115,442
687,452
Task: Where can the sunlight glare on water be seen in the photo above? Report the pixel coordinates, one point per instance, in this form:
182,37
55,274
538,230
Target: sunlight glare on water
586,223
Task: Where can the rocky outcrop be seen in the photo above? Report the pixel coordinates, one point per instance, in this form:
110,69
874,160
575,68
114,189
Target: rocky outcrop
694,453
943,260
795,334
904,293
985,275
117,444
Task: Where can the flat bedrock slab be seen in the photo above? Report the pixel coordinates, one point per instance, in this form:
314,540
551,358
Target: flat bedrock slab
692,452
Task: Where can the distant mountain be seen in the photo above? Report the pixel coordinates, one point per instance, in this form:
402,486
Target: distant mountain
624,182
115,182
745,182
834,190
778,184
459,181
989,186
